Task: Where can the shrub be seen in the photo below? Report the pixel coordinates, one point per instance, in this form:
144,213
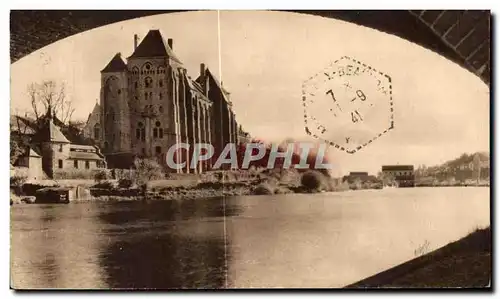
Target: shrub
17,181
100,176
125,183
263,189
312,180
147,170
104,185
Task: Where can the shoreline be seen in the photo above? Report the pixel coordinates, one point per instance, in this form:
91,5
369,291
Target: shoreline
463,263
200,191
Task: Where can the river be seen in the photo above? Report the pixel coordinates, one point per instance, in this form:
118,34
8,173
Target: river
320,240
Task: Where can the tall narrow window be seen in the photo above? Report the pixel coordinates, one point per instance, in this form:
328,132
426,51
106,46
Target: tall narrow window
97,131
75,163
160,83
158,130
60,147
140,132
87,164
60,163
148,82
160,96
146,96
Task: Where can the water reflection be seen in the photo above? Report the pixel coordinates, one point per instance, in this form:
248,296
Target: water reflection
54,247
322,240
331,240
165,245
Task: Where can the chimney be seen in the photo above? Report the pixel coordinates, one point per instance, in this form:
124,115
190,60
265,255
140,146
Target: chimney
170,43
202,70
136,41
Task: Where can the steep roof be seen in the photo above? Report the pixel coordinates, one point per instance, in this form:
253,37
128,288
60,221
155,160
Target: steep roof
224,93
96,110
115,65
193,85
85,156
31,153
55,134
50,132
153,45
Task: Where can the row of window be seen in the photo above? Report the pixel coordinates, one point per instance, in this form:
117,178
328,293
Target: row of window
149,96
140,132
148,83
147,68
402,173
75,164
157,150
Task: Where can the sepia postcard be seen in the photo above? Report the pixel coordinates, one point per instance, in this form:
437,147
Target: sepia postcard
231,149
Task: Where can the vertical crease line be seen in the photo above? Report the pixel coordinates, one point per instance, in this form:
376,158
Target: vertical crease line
223,176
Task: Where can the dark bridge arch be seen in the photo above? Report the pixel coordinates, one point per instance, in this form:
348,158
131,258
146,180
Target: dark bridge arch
461,36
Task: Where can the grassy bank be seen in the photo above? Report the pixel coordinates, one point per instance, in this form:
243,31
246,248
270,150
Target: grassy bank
465,263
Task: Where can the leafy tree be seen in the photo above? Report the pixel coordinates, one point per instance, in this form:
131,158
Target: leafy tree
17,149
146,170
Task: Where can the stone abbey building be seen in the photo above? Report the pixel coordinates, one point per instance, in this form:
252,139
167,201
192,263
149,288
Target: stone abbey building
149,103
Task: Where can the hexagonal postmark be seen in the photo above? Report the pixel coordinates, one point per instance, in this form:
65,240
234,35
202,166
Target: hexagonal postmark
348,104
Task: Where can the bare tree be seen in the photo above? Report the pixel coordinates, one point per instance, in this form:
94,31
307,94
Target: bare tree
48,95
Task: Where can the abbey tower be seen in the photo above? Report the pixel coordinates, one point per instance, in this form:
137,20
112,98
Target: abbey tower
150,103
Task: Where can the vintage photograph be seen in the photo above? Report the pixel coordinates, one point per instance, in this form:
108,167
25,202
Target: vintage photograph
250,149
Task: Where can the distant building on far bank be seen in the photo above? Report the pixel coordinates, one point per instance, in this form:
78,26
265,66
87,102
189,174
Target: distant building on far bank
404,175
360,176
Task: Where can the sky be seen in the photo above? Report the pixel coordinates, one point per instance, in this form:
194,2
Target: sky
441,110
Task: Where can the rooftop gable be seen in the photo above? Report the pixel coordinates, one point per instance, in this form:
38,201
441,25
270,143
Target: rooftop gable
115,65
153,45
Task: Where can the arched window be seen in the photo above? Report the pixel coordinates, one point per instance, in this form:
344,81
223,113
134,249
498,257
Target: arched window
97,131
158,131
140,132
147,68
135,70
148,82
160,70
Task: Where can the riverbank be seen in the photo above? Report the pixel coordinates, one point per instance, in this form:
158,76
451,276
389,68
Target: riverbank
465,263
188,187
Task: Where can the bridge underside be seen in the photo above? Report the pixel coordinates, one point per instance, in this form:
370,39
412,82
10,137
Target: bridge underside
461,36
